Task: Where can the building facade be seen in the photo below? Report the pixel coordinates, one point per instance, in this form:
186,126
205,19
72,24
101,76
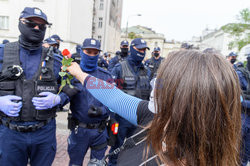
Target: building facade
152,38
73,20
106,26
218,40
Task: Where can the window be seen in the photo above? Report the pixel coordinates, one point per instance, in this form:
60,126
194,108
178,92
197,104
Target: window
4,22
101,6
100,38
156,44
100,22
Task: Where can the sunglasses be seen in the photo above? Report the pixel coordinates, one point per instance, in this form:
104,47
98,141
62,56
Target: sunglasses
32,24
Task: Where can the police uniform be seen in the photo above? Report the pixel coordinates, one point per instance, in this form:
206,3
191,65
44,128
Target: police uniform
120,55
76,56
153,64
31,134
137,111
89,115
58,40
131,76
244,79
102,62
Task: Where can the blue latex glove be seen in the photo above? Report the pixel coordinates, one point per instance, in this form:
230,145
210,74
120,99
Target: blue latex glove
8,107
48,100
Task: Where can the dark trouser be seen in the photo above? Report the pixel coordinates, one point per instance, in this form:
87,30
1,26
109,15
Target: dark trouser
126,129
38,146
80,141
245,155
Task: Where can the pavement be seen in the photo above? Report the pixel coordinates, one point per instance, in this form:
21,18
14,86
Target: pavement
62,133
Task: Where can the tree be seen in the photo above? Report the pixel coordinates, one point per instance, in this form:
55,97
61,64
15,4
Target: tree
239,31
132,35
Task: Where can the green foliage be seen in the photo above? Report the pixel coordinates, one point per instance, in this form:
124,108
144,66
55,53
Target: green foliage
65,77
62,74
239,31
132,35
245,16
245,63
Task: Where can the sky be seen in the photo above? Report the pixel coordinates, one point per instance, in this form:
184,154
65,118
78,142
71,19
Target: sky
181,19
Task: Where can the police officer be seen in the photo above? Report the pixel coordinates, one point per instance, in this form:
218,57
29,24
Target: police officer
244,78
232,58
88,114
186,46
5,41
131,76
103,61
120,56
51,42
76,56
243,75
153,63
28,95
58,40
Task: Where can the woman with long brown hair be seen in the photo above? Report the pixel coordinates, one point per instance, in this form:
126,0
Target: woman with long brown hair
197,110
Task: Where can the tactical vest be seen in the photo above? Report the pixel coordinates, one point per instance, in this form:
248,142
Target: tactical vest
246,74
120,58
153,66
135,85
43,80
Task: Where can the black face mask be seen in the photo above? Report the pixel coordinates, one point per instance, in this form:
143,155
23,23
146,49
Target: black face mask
156,54
232,61
124,51
30,38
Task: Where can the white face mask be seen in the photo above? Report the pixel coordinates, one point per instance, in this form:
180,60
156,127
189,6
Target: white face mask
151,105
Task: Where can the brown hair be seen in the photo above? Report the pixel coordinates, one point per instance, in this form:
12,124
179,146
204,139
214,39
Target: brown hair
198,115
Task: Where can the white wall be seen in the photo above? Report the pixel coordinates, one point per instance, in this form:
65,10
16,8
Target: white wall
71,19
218,40
110,41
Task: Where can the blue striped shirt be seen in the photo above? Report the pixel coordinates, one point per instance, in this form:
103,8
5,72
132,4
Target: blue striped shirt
115,99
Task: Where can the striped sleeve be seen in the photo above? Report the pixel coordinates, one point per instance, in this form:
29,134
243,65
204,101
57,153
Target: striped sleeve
112,97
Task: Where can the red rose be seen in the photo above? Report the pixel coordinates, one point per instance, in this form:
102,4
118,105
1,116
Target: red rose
66,53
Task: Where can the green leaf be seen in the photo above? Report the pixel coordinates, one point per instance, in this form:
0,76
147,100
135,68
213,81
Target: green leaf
71,86
63,83
70,59
62,74
68,81
67,62
63,60
64,68
70,76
